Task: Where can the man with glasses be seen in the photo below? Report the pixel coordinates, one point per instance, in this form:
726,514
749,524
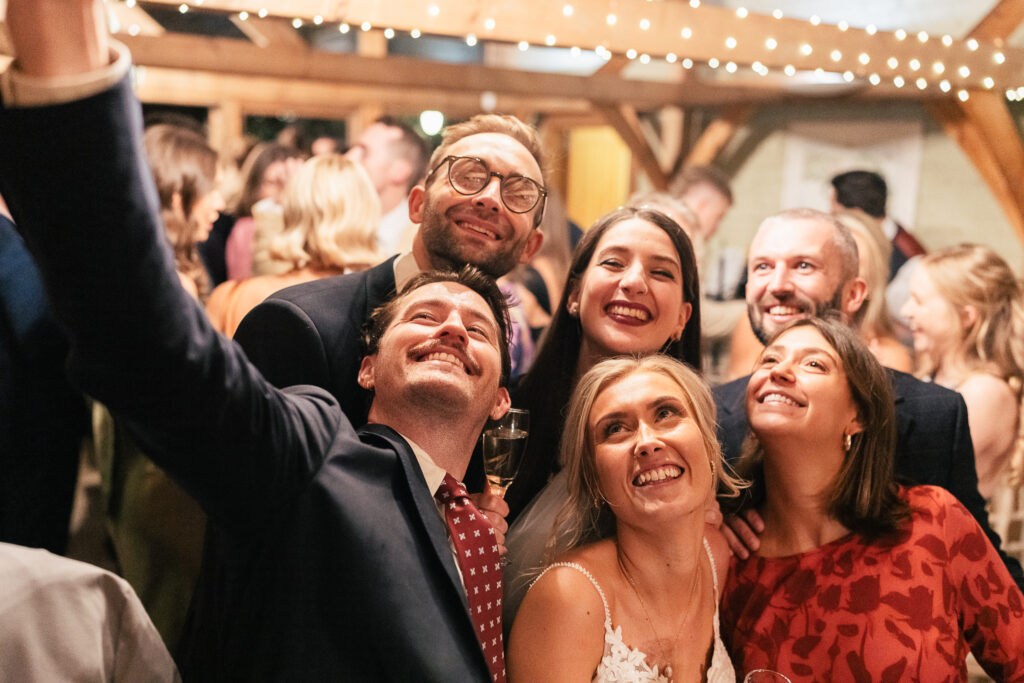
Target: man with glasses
480,204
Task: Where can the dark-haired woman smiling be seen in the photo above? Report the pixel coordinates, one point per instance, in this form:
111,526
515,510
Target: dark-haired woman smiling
856,579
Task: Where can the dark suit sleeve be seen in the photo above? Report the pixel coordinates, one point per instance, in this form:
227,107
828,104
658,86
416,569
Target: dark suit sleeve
283,342
138,342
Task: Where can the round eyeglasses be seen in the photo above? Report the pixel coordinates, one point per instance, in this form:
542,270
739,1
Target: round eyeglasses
470,175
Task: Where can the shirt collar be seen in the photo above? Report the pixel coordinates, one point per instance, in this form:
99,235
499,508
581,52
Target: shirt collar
432,473
406,269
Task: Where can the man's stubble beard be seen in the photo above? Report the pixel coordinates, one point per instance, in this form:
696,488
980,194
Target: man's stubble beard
817,310
446,251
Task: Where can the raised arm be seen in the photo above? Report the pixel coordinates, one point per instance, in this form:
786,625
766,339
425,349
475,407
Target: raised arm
78,186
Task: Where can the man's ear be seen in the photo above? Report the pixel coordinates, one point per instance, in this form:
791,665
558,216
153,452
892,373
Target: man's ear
417,195
502,403
854,294
365,376
533,243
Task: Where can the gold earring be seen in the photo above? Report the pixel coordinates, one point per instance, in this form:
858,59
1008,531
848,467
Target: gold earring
574,309
847,442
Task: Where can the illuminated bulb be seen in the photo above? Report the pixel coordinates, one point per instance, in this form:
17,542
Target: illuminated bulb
771,43
130,3
433,10
944,85
843,25
575,51
645,24
893,62
815,20
471,40
963,95
694,4
183,8
864,58
389,33
630,53
549,39
914,64
898,81
871,29
730,42
319,20
964,72
713,63
939,67
134,30
296,23
687,63
523,46
900,34
874,79
611,19
567,10
921,84
671,58
1020,93
947,40
999,58
243,16
1011,95
345,28
777,13
972,44
790,70
489,23
819,72
836,55
731,67
922,36
415,33
741,12
988,82
686,32
806,49
366,26
262,14
757,66
848,76
645,58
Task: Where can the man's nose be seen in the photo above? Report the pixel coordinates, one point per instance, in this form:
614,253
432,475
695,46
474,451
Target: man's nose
490,196
453,329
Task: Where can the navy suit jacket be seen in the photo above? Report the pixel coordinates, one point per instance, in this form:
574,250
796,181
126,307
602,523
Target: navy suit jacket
312,334
328,558
933,443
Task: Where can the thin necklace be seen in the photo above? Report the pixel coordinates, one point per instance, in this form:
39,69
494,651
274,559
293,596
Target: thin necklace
647,614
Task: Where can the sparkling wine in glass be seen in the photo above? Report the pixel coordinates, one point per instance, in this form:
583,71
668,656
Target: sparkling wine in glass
504,443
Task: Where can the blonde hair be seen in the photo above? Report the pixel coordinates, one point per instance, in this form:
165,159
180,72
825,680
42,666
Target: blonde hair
974,275
583,517
330,215
875,318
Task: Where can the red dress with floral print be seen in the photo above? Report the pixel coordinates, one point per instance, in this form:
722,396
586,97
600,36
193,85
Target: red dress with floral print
904,609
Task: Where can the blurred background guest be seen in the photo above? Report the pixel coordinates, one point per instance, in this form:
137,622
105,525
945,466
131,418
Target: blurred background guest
327,226
966,310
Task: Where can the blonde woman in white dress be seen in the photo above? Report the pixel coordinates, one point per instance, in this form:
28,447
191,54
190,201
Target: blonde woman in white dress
635,598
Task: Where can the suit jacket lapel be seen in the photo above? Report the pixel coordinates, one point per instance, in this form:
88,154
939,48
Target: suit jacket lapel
904,418
433,525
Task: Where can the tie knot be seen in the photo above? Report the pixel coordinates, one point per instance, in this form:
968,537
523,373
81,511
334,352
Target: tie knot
450,488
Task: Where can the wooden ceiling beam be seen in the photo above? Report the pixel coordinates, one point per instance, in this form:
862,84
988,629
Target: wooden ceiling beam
626,123
708,27
718,133
1000,23
271,32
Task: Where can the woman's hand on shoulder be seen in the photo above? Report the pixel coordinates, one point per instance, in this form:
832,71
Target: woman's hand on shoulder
558,634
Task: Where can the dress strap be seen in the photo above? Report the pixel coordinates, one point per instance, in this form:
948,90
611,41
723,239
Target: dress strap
714,567
586,573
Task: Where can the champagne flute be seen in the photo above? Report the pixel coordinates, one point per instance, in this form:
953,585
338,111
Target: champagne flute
504,443
765,676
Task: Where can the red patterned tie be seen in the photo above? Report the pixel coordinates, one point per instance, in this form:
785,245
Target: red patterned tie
477,551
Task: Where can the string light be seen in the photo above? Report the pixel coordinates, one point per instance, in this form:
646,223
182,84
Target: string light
921,84
815,20
243,16
489,23
848,76
365,26
730,42
549,40
611,19
939,67
415,33
296,23
988,83
567,10
686,33
864,58
630,53
645,24
345,28
944,85
523,46
687,63
999,58
319,20
963,95
694,4
471,40
806,49
836,55
771,43
972,44
671,58
964,71
731,67
914,64
843,25
871,29
947,40
433,10
713,63
900,34
575,51
183,8
790,70
874,79
130,3
645,58
922,36
892,62
898,81
777,13
741,12
389,33
262,14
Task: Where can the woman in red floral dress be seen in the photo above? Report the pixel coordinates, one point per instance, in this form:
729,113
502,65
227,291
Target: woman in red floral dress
856,578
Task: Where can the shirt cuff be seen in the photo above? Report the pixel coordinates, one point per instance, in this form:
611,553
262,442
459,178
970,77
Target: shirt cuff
20,90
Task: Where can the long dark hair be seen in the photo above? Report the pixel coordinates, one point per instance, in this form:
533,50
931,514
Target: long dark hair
546,388
865,496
